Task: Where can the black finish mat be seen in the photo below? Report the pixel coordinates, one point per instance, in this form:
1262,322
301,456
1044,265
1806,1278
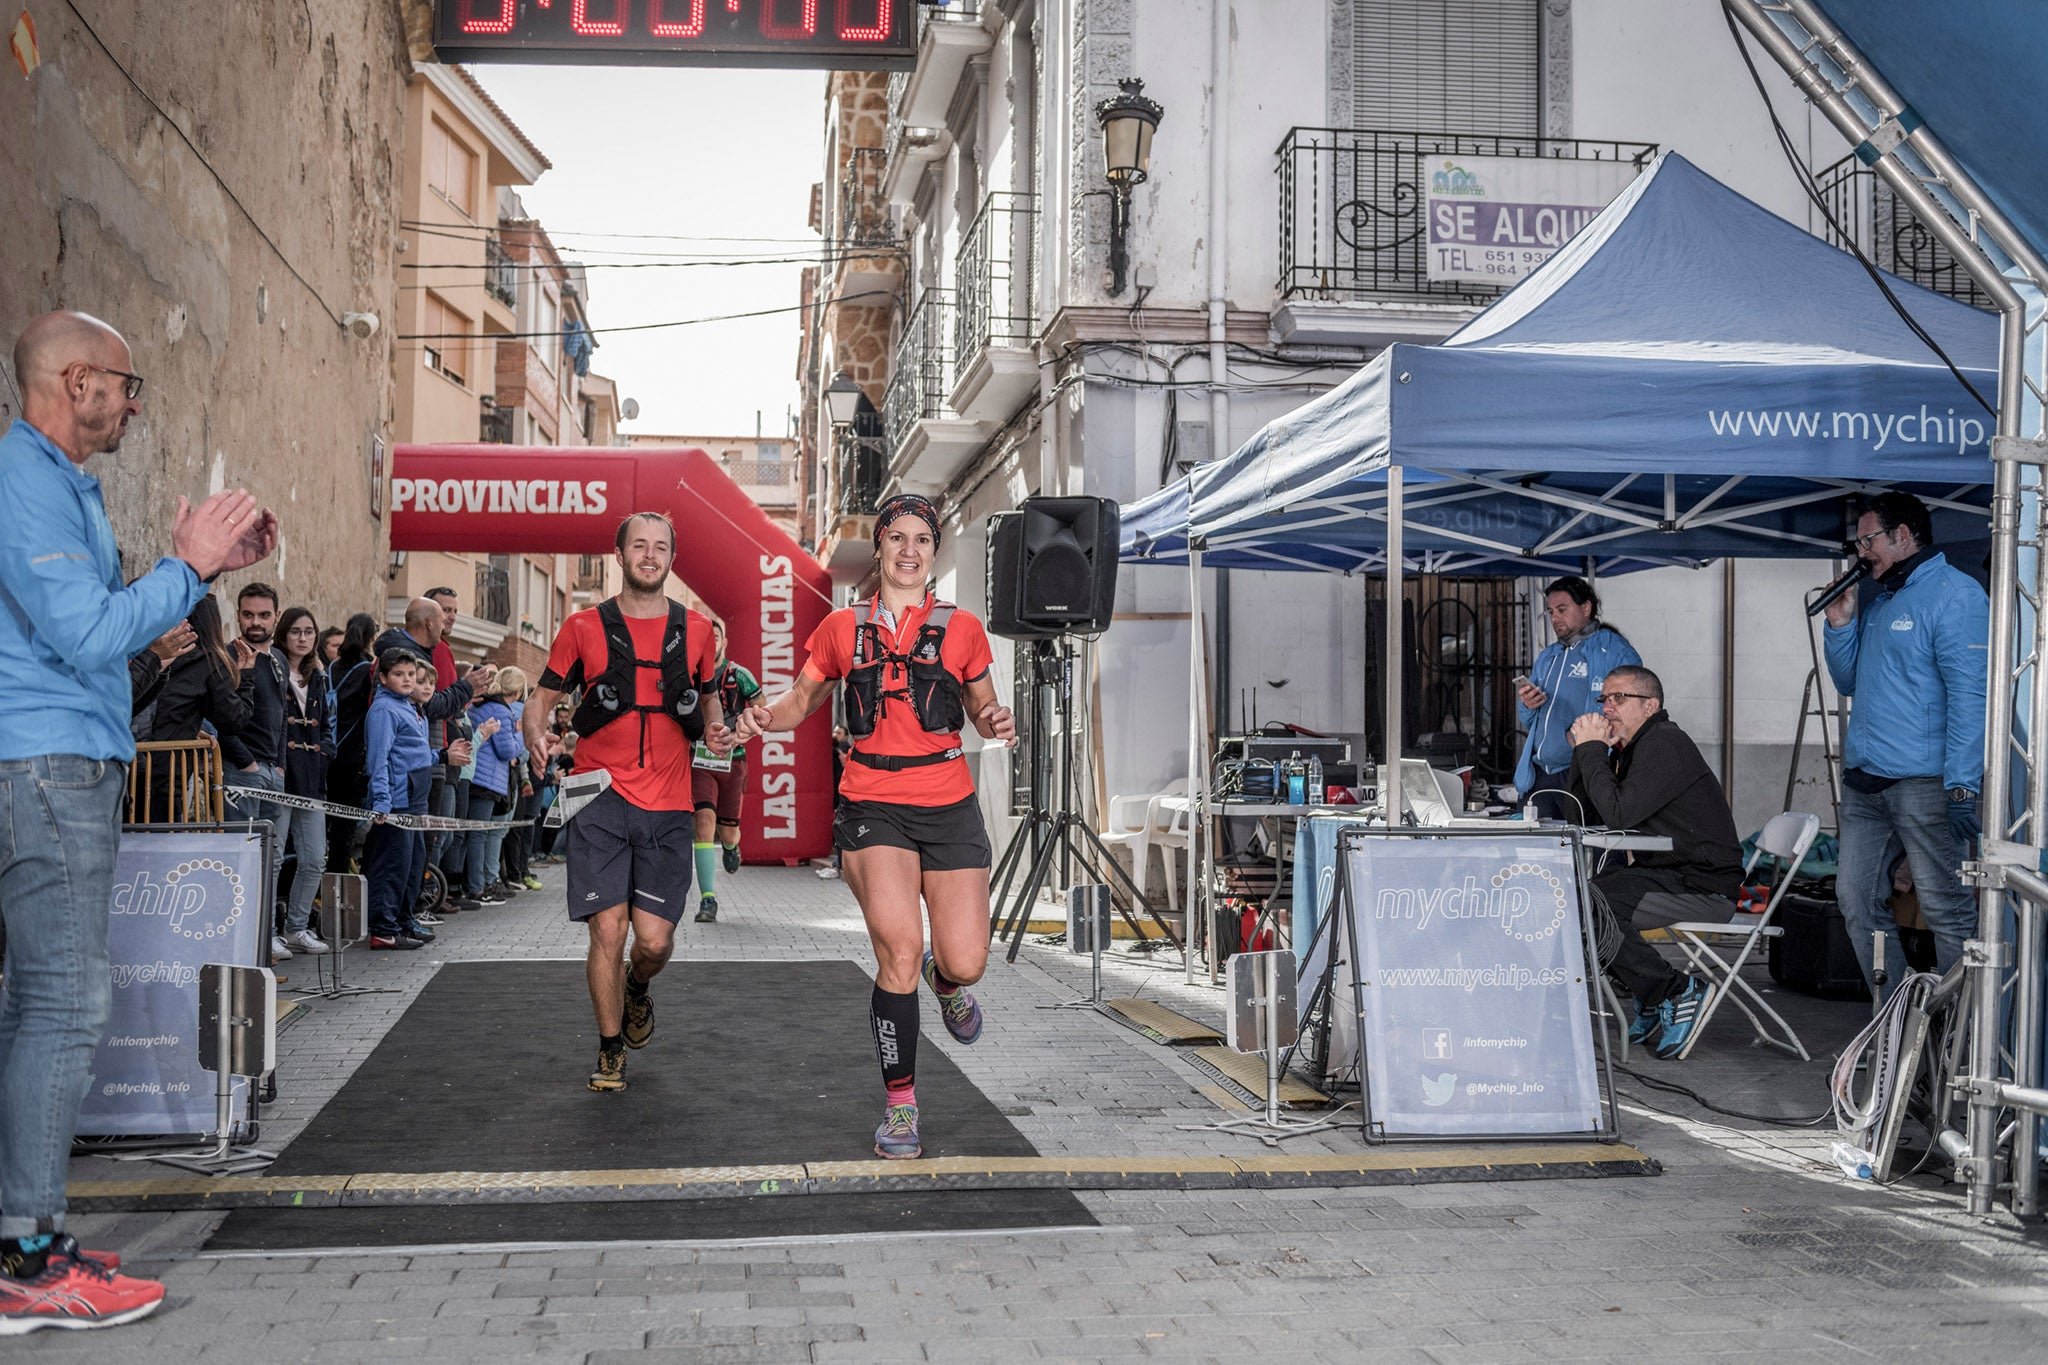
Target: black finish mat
752,1063
826,1215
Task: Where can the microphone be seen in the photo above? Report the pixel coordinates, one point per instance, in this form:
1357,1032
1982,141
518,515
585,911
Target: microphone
1851,576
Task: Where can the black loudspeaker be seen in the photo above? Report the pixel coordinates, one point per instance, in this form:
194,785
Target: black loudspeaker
1065,565
1005,578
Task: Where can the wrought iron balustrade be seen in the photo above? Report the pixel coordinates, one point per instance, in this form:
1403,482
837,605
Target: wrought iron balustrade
1351,207
864,219
995,279
494,425
1876,222
863,463
501,273
925,368
947,12
494,594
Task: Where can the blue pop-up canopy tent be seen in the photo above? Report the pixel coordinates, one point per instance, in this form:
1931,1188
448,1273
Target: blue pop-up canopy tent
1691,377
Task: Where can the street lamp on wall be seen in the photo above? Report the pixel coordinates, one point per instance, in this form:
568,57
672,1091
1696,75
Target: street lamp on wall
1127,123
842,400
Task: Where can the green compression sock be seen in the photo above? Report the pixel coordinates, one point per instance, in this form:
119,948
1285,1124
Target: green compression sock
707,869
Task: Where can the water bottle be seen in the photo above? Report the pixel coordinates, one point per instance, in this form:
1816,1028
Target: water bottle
1317,794
1854,1161
1297,781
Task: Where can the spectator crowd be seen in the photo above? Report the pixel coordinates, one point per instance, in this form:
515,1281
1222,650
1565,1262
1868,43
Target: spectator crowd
379,720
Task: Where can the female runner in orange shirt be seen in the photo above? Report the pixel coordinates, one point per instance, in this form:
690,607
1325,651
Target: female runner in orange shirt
909,828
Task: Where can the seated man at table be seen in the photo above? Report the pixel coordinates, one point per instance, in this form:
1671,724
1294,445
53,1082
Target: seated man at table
1636,770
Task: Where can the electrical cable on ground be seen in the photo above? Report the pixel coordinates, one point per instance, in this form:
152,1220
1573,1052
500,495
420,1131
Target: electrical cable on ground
1674,1088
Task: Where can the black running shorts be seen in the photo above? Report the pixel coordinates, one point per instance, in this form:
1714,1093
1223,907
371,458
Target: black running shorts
945,838
620,854
721,791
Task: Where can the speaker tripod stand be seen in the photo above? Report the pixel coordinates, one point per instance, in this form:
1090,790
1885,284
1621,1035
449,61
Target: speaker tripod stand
1050,830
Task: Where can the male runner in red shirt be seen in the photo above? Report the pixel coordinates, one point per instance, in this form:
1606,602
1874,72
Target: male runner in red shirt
644,665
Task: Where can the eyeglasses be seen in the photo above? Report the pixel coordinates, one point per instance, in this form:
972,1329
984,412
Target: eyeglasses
1617,698
1863,542
131,389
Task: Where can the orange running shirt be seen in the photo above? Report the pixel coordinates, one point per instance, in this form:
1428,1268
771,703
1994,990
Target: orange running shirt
660,780
966,656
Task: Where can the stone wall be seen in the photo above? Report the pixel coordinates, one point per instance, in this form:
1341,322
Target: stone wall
220,182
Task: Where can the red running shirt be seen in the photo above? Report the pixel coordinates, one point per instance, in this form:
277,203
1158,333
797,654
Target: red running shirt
662,780
966,656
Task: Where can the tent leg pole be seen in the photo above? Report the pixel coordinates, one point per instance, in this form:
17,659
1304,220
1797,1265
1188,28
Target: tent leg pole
1390,775
1197,901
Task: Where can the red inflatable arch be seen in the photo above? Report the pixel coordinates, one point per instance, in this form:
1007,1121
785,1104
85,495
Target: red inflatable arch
548,500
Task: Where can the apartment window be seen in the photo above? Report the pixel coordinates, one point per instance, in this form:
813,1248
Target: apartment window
547,324
1451,66
451,168
447,350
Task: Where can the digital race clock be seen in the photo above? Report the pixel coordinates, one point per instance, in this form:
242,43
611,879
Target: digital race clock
846,34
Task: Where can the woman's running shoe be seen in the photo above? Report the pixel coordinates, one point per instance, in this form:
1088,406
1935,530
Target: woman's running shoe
957,1008
896,1139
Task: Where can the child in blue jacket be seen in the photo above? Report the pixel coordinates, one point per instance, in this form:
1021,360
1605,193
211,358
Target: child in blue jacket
400,768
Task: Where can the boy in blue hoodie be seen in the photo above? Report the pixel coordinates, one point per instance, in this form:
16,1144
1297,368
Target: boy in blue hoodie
401,772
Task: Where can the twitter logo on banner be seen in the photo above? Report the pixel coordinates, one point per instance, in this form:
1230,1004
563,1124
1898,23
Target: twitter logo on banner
1438,1092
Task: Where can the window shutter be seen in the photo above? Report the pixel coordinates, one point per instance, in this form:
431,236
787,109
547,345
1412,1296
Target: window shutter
1454,66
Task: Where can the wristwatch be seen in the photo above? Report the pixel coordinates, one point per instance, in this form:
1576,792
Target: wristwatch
1960,794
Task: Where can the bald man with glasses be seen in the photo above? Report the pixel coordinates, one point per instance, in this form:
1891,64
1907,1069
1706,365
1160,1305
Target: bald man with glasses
1633,768
68,625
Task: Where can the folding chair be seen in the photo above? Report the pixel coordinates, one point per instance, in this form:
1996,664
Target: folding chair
1786,837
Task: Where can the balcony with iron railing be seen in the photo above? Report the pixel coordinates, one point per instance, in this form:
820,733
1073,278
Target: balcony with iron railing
494,593
867,255
1874,220
948,37
1353,236
494,424
928,440
994,327
501,272
862,466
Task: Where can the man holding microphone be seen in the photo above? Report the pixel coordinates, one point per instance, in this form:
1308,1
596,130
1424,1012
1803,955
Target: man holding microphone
1913,758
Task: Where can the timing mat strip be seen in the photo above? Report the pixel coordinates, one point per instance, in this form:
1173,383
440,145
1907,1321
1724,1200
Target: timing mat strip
1247,1071
1161,1024
1379,1166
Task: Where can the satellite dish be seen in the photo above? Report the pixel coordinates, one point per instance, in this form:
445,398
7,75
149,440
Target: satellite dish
630,409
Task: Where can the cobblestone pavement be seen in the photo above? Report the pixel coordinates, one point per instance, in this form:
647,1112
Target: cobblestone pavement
1749,1244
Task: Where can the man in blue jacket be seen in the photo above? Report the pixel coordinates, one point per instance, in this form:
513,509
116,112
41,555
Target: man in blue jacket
1913,759
1563,685
67,627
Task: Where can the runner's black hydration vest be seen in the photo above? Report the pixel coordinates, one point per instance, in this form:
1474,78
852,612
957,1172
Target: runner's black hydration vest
932,691
615,692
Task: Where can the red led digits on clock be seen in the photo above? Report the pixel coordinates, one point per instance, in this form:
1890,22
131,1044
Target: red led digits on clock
581,22
692,27
772,27
876,32
502,24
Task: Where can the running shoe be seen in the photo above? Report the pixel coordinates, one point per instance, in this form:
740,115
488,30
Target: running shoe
306,941
75,1291
491,896
464,903
639,1024
962,1015
1649,1019
731,858
611,1070
428,918
403,943
896,1138
707,910
420,932
280,951
1681,1012
531,882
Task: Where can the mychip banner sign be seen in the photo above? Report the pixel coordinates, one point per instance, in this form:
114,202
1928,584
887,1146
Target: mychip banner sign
1494,219
181,900
1475,1014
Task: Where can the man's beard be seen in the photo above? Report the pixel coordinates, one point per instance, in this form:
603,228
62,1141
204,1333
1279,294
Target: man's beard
256,636
640,584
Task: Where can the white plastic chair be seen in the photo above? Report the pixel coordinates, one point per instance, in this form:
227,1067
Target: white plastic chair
1786,837
1173,823
1130,826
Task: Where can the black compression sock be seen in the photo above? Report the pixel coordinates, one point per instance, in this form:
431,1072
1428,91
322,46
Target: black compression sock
611,1042
634,985
893,1018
